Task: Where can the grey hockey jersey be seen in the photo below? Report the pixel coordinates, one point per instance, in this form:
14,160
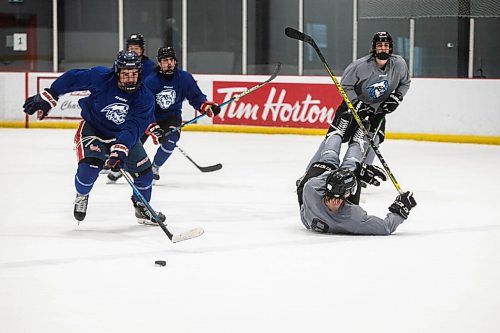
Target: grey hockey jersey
364,80
350,219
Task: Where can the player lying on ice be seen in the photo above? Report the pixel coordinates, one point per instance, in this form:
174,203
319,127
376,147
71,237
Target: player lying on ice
328,193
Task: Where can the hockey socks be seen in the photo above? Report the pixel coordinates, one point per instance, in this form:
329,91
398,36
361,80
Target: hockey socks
85,177
144,184
164,151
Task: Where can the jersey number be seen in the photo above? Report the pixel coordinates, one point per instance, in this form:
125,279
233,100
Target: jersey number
319,226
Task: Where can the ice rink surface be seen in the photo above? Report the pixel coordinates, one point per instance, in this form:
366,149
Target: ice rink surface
256,269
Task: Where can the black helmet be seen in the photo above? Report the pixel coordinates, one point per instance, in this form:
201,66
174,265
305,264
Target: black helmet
128,60
340,182
166,52
382,36
136,39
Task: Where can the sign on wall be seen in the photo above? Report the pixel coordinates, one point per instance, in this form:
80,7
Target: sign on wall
277,104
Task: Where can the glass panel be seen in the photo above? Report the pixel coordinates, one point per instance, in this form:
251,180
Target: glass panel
88,33
214,36
26,36
486,48
437,47
330,24
267,43
160,21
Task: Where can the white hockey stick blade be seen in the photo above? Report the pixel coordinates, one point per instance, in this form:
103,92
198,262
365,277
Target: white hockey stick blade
193,233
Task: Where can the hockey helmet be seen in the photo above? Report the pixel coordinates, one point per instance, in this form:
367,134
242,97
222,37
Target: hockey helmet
339,183
136,39
382,36
128,60
164,53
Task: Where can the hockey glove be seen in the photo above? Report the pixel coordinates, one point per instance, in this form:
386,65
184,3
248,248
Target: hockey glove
210,108
363,109
392,102
156,133
41,103
403,204
118,153
369,174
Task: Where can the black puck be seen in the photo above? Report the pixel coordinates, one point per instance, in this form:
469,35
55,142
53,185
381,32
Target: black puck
160,262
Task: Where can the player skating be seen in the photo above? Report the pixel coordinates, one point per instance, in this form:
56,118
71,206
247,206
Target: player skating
375,84
115,115
171,86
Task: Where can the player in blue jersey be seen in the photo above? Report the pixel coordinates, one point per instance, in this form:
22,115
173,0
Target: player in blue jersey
136,43
171,86
115,115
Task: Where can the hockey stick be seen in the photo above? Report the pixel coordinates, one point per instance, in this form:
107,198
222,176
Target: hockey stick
295,34
174,238
235,98
365,155
209,168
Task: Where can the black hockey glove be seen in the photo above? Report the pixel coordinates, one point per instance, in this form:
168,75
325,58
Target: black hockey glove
210,108
363,109
156,133
403,204
41,103
392,102
369,174
118,153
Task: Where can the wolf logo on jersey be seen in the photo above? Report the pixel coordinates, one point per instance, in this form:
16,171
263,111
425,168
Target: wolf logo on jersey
378,89
116,112
165,98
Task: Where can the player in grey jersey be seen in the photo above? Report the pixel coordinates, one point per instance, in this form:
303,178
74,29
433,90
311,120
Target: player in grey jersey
328,194
375,84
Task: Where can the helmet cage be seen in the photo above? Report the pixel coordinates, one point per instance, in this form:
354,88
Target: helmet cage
128,60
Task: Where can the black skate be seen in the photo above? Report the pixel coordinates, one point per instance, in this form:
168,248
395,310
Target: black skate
341,123
113,176
144,216
80,209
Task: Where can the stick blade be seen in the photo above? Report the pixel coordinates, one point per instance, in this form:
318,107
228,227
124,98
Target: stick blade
295,34
193,233
211,168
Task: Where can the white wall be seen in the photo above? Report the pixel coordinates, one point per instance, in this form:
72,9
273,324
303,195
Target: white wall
432,106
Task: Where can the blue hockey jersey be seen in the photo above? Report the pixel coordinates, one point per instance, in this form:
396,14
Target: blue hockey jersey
148,66
112,112
169,94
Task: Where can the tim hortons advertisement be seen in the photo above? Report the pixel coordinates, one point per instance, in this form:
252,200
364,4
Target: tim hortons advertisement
277,104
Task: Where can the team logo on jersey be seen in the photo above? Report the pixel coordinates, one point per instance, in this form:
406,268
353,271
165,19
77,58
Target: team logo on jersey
165,98
378,89
116,112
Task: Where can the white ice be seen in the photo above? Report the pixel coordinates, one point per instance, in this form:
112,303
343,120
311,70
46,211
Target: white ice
256,269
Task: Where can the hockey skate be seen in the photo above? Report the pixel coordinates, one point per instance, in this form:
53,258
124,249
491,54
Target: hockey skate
359,136
144,216
341,124
113,176
80,210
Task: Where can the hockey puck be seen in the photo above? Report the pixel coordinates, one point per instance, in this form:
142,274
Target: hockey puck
160,262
